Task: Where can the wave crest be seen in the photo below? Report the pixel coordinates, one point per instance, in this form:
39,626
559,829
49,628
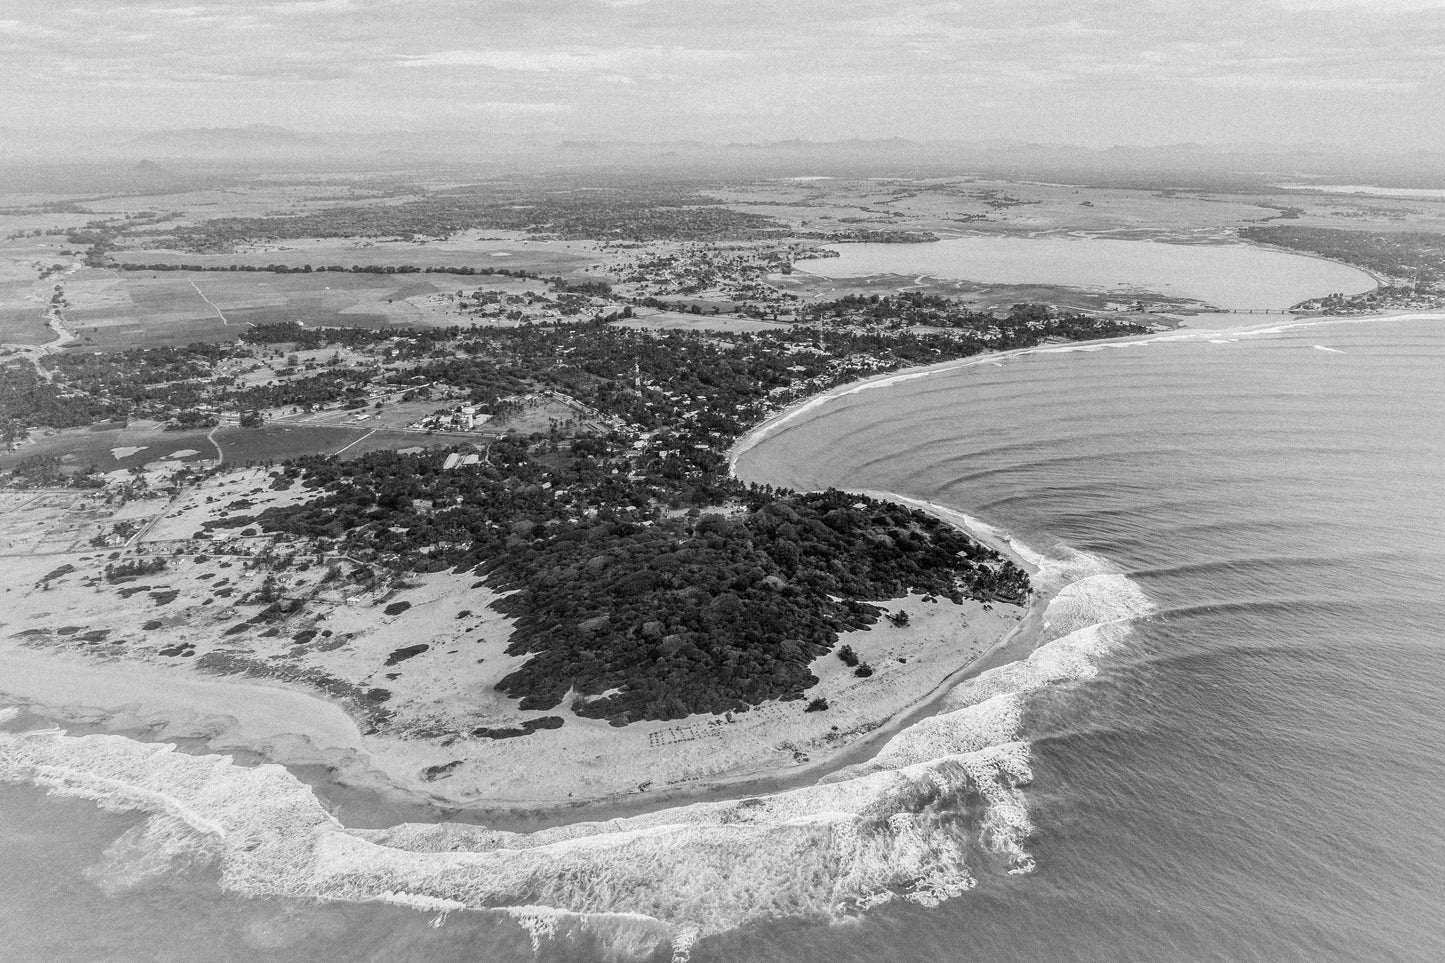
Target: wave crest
940,801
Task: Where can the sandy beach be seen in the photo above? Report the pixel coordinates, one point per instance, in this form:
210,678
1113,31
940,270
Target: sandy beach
199,674
142,691
681,828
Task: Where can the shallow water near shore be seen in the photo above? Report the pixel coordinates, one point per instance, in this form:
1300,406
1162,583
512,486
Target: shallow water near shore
1245,774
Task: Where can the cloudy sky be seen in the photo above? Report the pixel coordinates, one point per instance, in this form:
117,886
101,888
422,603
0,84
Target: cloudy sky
1097,72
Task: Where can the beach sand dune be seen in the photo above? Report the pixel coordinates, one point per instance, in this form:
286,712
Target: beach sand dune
388,683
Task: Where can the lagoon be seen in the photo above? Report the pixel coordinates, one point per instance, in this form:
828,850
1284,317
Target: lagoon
1370,190
1231,276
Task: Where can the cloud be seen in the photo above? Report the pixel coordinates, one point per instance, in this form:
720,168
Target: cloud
1364,6
515,109
1255,81
531,61
309,7
712,68
23,29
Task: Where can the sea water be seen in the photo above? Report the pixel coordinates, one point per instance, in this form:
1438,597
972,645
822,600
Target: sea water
1228,746
1254,772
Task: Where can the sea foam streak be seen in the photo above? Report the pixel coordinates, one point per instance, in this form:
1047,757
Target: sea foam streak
1089,614
940,801
817,851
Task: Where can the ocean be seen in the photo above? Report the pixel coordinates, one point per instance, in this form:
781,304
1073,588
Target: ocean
1254,774
1229,748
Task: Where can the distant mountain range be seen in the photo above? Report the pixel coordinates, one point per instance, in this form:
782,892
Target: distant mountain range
250,139
183,153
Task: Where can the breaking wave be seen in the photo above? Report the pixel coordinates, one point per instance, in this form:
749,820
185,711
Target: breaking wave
1090,613
941,802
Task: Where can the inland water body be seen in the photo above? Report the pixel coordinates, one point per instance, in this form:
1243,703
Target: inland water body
1230,276
1230,750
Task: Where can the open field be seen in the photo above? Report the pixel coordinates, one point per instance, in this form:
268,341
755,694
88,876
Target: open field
470,249
24,295
275,442
63,522
51,225
116,309
112,447
280,440
109,307
259,198
967,204
22,324
383,439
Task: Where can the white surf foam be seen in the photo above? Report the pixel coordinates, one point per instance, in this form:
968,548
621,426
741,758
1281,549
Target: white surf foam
1094,600
819,851
1090,613
973,728
1089,616
941,802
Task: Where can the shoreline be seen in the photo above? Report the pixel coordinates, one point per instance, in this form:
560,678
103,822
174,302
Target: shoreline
376,796
767,426
322,745
1380,279
331,755
379,796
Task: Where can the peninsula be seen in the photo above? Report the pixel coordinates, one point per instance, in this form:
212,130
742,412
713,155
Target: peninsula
431,484
505,543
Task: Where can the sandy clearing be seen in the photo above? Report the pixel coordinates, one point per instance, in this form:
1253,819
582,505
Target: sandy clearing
60,643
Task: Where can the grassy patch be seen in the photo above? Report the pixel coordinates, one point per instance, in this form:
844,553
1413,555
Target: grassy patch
276,442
